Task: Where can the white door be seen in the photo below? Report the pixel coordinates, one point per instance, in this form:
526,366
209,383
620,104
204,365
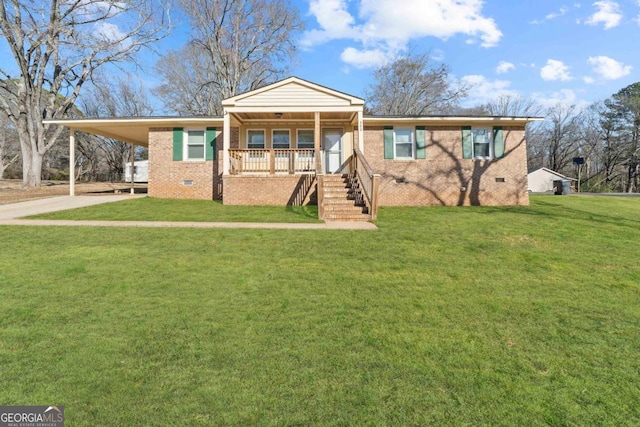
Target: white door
332,147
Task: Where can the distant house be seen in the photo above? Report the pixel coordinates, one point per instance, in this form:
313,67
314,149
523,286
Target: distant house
541,180
140,172
296,142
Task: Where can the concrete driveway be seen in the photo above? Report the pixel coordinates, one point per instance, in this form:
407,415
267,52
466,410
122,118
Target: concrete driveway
53,204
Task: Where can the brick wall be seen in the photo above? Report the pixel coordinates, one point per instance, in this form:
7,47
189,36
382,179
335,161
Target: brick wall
444,177
270,190
167,177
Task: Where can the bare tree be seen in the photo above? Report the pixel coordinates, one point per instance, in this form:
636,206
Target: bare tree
513,106
413,85
126,97
560,136
235,46
626,106
56,46
9,152
603,148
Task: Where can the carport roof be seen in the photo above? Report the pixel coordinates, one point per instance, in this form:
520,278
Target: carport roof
134,130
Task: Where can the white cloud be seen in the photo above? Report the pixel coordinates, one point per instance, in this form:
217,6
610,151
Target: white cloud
363,58
334,19
565,97
609,68
483,90
504,67
555,70
588,80
553,15
109,32
608,13
389,26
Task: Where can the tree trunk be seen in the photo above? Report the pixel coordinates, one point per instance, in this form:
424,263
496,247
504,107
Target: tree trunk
31,166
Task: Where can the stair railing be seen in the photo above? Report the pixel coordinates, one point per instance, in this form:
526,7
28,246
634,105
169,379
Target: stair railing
367,181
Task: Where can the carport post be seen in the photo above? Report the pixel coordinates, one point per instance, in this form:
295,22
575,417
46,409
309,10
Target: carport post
72,162
133,168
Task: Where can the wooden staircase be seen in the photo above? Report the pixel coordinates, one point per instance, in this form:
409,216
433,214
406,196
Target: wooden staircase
343,200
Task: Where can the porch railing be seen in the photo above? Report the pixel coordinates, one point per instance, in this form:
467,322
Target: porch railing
368,181
272,161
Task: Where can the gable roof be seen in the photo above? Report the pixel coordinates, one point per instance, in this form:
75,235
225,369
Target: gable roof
552,172
292,92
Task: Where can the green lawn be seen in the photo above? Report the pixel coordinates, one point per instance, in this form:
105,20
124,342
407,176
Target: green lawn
152,209
444,316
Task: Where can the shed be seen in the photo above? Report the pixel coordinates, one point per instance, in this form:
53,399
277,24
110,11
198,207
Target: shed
140,171
541,180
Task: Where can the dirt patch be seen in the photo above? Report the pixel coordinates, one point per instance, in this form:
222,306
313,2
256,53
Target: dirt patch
11,191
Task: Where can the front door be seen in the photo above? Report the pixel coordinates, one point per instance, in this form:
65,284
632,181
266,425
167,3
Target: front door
332,147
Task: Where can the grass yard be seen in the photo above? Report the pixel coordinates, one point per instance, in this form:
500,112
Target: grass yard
152,209
444,316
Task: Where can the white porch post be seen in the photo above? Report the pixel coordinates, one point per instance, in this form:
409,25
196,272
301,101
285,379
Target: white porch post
360,132
133,168
72,162
318,144
226,142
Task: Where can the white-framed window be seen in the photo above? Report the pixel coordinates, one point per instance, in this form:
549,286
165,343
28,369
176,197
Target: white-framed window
255,139
403,143
306,139
280,139
481,143
194,148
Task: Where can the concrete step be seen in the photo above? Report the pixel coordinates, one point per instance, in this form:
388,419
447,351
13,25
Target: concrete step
339,217
338,201
343,190
344,209
338,195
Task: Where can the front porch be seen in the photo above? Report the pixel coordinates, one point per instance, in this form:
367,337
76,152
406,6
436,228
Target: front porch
281,141
294,177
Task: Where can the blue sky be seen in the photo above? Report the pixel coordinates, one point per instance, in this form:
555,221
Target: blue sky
572,52
575,52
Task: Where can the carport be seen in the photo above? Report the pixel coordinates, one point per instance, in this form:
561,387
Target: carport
132,130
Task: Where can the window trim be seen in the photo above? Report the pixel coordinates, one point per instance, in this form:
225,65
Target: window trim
264,134
412,132
489,130
273,131
185,145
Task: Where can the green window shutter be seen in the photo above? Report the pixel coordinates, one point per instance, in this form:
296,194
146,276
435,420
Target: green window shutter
467,146
498,142
177,143
421,142
210,144
388,142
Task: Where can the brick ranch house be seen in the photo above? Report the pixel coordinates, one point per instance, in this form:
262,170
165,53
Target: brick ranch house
295,142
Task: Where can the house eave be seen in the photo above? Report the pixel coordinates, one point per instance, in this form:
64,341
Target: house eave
453,120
